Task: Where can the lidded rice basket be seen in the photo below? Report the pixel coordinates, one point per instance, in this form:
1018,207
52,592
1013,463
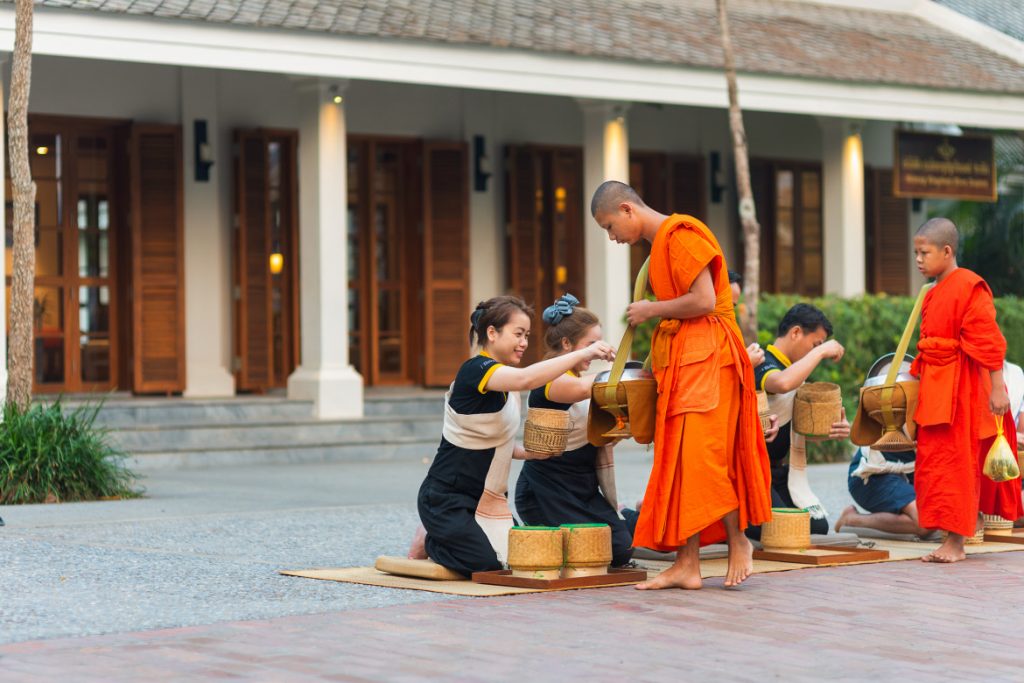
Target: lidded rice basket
587,549
816,407
763,411
546,431
997,526
535,551
789,529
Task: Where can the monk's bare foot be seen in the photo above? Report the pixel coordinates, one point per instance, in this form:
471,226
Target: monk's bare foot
741,561
850,511
951,550
418,548
687,578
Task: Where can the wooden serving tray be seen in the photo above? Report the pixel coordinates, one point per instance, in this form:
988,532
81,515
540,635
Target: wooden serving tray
503,577
822,554
1016,536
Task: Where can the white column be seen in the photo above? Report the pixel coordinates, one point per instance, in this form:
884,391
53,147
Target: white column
207,244
843,207
487,225
605,157
3,261
325,375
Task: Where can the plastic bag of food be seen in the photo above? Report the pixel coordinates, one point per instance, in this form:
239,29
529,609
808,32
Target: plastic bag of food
1000,463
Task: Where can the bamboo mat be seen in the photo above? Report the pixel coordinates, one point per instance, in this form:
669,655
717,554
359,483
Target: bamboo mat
710,568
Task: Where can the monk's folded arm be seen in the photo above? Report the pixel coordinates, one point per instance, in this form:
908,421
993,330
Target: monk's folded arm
699,301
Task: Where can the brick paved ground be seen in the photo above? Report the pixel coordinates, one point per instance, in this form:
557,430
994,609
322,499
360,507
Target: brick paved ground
897,621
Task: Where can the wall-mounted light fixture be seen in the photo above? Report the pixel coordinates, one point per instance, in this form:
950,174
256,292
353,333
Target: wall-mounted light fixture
481,164
715,183
334,92
276,263
42,150
203,151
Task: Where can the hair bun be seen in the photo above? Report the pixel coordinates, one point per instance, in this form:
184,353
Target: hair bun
554,313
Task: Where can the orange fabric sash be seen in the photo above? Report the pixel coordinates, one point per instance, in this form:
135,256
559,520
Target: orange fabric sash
938,365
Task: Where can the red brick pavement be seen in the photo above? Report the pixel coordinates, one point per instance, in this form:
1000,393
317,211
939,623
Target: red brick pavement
896,621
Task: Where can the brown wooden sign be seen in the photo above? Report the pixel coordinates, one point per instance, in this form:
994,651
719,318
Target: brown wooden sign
944,166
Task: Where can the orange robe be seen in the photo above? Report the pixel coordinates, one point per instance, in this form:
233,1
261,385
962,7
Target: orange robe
709,451
960,344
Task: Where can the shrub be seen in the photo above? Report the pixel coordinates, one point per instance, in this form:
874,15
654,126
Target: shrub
867,327
47,454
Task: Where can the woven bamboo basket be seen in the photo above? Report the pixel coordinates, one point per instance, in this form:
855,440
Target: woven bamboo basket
996,525
977,539
587,549
535,551
789,529
763,411
817,406
546,431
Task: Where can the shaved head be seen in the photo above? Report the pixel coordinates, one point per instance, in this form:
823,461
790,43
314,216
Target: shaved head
610,194
941,232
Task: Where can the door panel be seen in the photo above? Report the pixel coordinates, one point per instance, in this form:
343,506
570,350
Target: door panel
544,210
266,259
157,277
887,235
77,217
445,259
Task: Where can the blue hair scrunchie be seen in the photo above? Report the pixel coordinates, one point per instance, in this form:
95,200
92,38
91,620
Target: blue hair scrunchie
474,319
557,311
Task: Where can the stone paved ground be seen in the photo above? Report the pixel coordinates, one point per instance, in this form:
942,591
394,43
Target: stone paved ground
899,621
182,585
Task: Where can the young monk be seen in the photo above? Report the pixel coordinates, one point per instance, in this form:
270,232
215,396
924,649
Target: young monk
960,363
578,486
462,505
711,477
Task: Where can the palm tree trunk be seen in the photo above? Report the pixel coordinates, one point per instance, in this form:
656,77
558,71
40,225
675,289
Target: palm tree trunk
748,217
19,360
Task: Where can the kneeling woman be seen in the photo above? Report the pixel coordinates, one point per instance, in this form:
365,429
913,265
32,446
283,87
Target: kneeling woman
462,501
566,489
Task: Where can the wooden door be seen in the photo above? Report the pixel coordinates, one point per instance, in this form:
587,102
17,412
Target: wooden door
266,259
78,218
670,183
887,235
385,241
157,272
445,260
788,199
544,227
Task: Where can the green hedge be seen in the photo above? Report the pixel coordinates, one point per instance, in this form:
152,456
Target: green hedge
867,327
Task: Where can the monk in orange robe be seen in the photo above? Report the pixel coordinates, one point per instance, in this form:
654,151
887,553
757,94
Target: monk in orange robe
960,363
711,477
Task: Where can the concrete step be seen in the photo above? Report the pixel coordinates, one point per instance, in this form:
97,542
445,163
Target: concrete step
412,449
134,412
274,434
412,403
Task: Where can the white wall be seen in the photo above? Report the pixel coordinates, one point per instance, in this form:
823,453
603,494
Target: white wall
103,89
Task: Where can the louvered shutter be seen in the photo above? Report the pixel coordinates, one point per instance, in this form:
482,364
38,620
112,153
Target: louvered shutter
889,247
524,207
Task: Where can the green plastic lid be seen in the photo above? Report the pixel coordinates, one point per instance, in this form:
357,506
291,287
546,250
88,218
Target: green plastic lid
589,525
788,511
536,528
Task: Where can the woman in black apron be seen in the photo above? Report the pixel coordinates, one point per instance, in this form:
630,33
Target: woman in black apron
577,486
462,502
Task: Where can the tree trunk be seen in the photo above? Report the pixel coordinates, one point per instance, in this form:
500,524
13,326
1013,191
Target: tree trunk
20,356
748,218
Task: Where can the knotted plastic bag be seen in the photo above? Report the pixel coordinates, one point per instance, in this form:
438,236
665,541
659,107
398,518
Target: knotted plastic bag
1000,463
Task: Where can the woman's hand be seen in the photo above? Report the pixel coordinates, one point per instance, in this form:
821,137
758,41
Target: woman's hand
599,350
773,429
521,453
